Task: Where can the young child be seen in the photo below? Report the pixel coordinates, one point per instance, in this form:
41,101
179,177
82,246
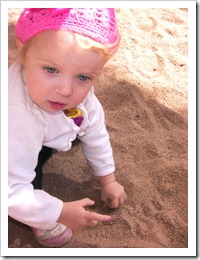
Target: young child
51,103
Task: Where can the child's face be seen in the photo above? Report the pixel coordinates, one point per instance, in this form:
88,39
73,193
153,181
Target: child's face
58,72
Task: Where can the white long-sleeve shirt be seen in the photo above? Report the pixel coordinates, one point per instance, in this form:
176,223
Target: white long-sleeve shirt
30,127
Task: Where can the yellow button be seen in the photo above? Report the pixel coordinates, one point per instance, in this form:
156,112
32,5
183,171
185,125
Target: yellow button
73,112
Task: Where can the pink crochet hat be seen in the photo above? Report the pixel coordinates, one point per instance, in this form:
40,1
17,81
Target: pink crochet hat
97,24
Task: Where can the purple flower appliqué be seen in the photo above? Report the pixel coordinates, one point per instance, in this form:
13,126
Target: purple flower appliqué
78,120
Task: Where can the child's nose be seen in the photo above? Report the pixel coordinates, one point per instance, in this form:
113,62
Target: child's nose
65,88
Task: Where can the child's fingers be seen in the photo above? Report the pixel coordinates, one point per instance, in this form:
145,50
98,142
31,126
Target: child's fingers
93,216
86,202
114,203
122,199
92,223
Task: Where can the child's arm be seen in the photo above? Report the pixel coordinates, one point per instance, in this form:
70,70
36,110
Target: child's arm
98,151
112,192
75,217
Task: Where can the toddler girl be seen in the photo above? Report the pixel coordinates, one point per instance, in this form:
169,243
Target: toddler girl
51,103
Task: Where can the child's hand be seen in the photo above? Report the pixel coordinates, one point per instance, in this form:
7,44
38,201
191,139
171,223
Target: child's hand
112,193
74,215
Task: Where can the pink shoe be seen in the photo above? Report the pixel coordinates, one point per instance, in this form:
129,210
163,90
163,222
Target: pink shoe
55,237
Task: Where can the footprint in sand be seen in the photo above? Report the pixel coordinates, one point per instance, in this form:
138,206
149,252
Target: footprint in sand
148,24
151,64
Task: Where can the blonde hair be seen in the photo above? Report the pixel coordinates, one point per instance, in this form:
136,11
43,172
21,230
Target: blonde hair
82,41
87,43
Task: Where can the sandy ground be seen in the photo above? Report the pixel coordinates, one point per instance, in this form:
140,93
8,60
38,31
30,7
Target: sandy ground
144,94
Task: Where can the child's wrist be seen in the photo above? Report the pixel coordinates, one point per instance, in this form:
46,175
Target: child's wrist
105,180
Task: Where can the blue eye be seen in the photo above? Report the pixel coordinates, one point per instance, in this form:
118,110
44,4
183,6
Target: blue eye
51,70
83,78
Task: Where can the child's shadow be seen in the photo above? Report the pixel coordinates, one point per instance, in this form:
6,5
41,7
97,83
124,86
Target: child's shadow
68,189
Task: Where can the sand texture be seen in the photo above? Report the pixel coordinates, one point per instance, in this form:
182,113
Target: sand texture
144,94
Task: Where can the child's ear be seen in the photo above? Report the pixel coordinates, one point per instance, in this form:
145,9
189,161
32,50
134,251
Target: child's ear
19,44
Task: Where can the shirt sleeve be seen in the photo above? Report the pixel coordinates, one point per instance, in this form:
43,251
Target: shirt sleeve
35,208
96,142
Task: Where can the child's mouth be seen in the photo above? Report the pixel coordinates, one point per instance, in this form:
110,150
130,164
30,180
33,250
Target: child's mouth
56,105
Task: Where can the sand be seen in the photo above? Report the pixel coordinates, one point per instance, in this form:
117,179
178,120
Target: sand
144,94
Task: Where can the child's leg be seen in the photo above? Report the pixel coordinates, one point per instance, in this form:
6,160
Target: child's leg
44,155
60,234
